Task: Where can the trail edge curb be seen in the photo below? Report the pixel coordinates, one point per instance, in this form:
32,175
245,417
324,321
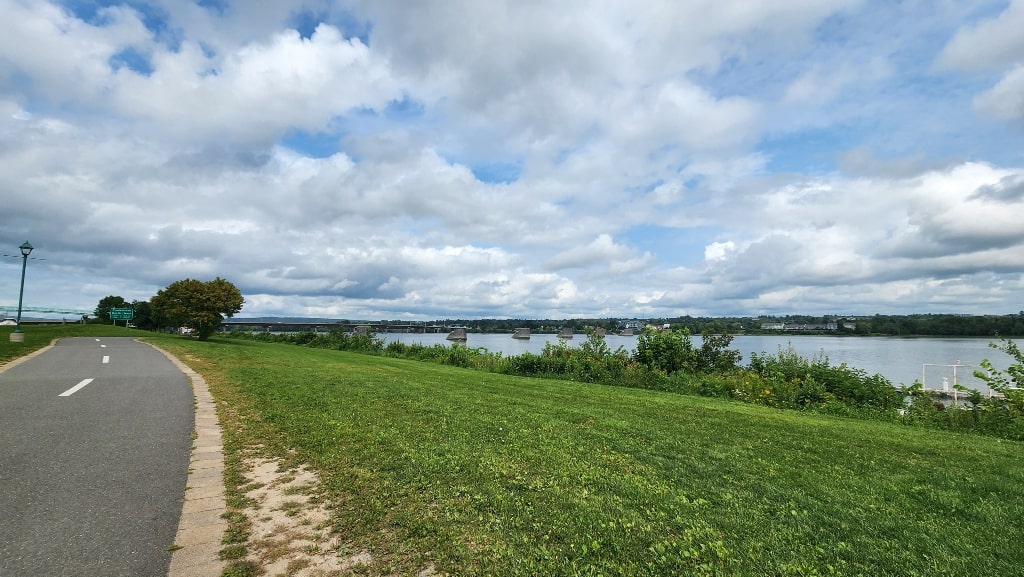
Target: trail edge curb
201,528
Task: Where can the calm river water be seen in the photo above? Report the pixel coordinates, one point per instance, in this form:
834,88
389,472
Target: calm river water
901,360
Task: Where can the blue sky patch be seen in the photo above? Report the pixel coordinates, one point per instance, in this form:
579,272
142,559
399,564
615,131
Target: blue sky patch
218,7
498,172
312,144
133,60
152,16
306,21
673,246
812,151
404,109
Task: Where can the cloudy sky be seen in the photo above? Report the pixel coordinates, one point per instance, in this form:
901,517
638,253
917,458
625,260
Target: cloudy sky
466,158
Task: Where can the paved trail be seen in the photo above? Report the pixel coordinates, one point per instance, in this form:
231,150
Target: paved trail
94,455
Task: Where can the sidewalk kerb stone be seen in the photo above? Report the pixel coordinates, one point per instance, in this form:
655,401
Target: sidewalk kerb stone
204,492
201,527
199,535
201,505
207,463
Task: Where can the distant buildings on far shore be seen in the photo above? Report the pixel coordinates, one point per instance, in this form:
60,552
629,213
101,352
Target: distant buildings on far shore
774,326
640,326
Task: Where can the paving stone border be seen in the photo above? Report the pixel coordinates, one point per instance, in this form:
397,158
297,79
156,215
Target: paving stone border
201,527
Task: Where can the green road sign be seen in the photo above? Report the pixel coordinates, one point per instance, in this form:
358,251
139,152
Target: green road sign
122,314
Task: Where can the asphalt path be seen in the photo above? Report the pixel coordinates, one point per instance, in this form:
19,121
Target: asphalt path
92,473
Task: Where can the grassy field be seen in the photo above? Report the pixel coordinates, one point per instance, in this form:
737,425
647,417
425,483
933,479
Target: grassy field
478,473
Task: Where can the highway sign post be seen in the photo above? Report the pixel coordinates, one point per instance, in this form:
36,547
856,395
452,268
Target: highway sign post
122,315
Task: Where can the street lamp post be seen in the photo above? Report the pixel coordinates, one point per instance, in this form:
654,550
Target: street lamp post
26,249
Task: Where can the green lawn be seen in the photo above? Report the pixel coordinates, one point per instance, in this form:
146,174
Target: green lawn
481,473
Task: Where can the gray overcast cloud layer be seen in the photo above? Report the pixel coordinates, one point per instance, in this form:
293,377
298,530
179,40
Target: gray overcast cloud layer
465,159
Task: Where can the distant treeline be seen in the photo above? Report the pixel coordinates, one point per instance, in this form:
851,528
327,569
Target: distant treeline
879,325
942,325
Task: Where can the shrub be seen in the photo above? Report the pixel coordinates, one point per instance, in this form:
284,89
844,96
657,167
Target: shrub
673,351
458,356
638,376
524,365
806,382
1009,383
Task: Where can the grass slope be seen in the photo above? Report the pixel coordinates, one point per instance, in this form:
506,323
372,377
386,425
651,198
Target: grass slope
480,473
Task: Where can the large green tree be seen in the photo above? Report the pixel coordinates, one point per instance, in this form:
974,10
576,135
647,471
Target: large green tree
198,305
143,316
106,303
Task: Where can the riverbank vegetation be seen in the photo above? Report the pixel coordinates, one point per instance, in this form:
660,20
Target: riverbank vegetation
470,472
670,361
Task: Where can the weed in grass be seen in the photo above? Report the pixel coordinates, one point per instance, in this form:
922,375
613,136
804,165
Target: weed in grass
239,502
296,565
272,551
234,517
238,528
232,552
298,490
292,508
241,569
250,487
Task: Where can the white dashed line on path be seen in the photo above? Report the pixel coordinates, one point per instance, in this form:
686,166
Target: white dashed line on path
75,388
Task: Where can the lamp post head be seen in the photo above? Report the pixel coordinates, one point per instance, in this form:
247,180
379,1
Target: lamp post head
26,248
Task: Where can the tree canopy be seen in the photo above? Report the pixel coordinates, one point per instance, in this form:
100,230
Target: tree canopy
106,303
201,306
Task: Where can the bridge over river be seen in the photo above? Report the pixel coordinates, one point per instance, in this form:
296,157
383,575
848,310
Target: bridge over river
68,314
294,326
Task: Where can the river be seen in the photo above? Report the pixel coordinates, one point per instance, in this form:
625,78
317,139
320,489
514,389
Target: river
900,360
